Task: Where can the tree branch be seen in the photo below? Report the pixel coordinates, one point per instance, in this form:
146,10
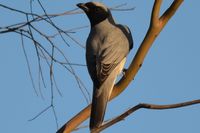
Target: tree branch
145,106
156,25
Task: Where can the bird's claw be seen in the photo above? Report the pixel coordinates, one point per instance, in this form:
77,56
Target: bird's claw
124,71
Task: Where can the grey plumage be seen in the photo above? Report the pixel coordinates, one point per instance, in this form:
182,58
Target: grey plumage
106,49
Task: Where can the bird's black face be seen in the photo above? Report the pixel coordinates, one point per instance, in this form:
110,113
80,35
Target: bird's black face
96,12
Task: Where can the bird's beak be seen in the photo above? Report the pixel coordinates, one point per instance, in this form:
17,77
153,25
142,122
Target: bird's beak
83,7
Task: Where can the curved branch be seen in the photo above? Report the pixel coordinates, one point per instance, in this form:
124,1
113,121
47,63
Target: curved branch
153,31
146,106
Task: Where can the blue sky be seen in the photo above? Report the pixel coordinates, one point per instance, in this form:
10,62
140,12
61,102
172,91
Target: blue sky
170,72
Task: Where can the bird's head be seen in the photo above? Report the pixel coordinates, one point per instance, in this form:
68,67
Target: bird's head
96,11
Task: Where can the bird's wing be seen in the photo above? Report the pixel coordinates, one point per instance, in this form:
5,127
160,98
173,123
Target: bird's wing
127,32
112,51
109,62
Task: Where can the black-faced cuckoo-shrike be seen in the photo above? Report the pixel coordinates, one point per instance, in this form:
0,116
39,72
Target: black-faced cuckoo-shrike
107,46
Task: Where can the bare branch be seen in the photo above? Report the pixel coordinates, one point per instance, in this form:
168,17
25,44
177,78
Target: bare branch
28,64
40,113
170,11
156,12
118,8
145,106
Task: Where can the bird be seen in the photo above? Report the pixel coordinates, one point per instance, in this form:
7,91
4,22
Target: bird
107,47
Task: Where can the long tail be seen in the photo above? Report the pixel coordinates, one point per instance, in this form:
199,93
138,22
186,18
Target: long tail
101,96
99,102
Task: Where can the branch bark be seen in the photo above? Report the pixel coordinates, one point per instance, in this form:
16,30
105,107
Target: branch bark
156,25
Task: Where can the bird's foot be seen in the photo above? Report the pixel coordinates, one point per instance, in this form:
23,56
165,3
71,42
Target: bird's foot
124,71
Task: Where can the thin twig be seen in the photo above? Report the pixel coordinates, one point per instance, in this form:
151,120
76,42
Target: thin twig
40,73
28,64
55,116
43,111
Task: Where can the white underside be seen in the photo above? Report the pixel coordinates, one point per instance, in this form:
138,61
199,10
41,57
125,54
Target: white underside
118,71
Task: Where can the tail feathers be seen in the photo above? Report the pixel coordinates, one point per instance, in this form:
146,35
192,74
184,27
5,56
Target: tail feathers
101,96
99,101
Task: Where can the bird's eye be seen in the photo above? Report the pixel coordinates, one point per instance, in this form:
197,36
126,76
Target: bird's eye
97,9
